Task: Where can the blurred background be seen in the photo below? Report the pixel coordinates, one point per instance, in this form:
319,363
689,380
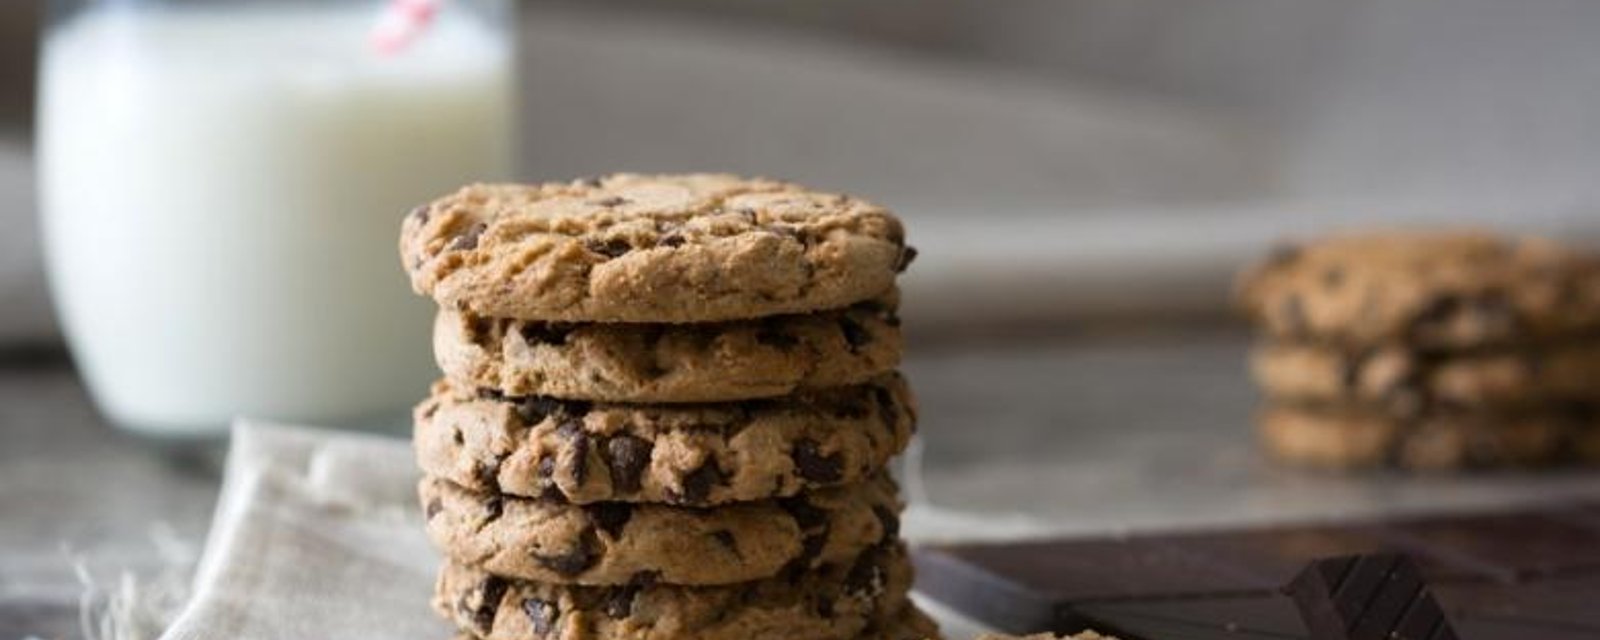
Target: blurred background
1070,148
1082,177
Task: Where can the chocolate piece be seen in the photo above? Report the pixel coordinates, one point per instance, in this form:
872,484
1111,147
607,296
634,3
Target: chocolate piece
1512,575
611,517
815,467
541,614
627,456
469,238
697,484
575,560
1368,597
613,248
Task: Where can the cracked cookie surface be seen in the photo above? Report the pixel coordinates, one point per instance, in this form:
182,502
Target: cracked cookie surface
617,542
691,454
707,362
1442,289
837,602
650,248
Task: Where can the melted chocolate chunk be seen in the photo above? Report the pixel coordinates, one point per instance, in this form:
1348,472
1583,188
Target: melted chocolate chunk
887,410
805,515
611,517
433,508
542,615
726,539
576,560
420,214
890,521
613,248
907,256
488,597
619,601
572,430
469,239
484,393
613,201
854,334
480,330
697,484
866,577
626,457
671,241
815,467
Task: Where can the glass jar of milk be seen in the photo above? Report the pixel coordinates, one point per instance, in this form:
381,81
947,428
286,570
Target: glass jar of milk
222,186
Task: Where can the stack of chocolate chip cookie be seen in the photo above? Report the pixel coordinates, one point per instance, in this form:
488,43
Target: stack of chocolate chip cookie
1428,351
668,406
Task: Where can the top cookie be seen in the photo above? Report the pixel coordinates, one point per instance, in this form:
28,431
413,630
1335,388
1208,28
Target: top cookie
638,248
1447,289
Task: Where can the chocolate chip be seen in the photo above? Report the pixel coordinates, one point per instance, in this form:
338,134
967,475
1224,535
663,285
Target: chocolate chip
805,515
480,330
888,409
433,508
613,201
772,334
579,440
890,521
469,239
493,507
590,181
487,475
726,539
542,615
537,333
644,579
458,437
533,410
548,489
671,240
619,600
420,214
627,456
488,596
810,549
813,466
613,248
855,335
1350,375
749,215
1332,277
575,560
907,255
697,484
611,517
490,394
866,577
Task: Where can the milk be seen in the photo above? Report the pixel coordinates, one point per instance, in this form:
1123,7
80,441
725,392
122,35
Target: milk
222,192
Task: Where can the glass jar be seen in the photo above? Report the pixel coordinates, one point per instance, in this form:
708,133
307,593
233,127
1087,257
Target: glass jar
222,185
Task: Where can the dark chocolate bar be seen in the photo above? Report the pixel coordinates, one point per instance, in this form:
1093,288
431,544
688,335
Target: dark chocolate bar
1511,575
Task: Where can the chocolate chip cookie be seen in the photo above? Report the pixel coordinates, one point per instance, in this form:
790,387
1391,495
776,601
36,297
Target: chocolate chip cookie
1406,381
1335,438
837,602
617,542
1455,290
690,454
707,362
650,248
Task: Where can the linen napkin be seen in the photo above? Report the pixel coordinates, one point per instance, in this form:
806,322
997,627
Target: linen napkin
317,534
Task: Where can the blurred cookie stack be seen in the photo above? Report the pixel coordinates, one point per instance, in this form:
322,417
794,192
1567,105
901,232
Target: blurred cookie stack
1428,351
668,407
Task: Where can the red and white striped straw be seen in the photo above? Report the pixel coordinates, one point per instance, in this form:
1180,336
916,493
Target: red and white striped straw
401,22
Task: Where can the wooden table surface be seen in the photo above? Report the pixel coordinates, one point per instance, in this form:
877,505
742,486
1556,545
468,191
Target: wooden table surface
1088,435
